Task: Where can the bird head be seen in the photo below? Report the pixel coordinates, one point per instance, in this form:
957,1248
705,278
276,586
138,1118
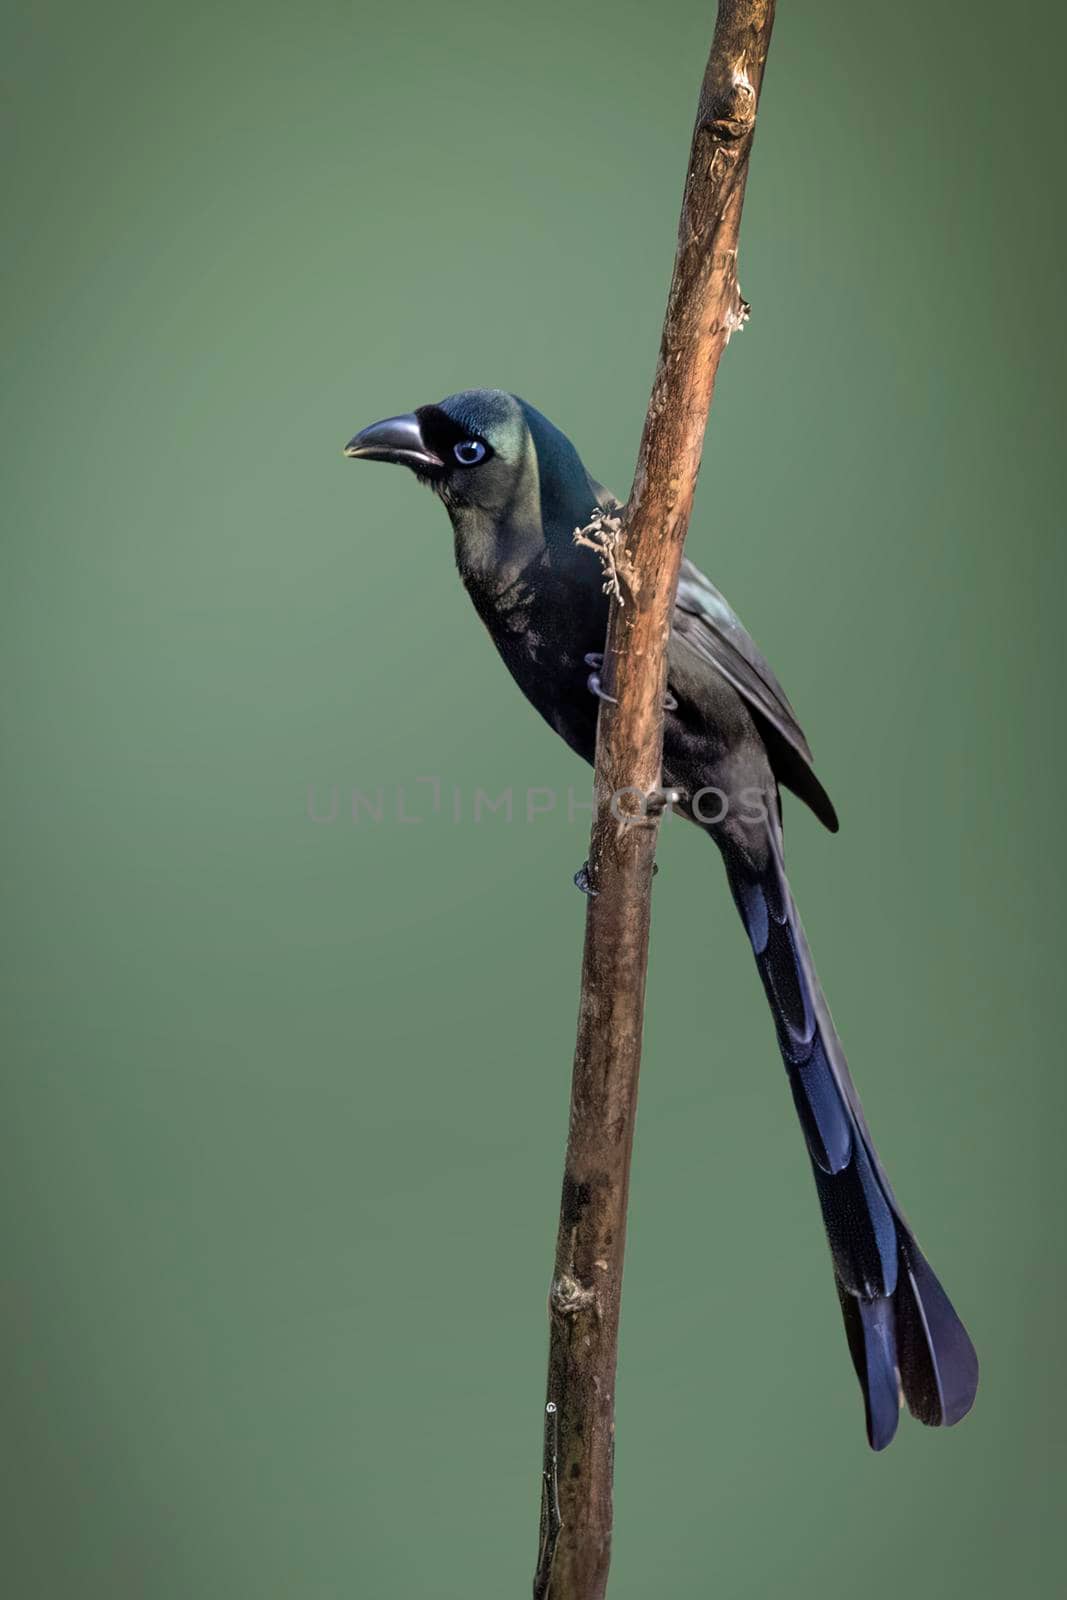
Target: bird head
494,461
473,449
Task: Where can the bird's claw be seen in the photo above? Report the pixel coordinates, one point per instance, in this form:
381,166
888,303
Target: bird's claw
658,800
584,881
593,683
595,659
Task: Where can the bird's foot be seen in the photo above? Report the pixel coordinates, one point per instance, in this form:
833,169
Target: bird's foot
658,800
583,880
595,660
593,684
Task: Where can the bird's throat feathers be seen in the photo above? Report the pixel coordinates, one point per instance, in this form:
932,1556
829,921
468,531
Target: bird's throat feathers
530,525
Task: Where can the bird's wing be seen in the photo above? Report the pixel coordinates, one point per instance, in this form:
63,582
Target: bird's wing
709,626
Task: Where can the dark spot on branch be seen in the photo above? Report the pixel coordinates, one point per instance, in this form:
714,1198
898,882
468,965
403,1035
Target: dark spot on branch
576,1198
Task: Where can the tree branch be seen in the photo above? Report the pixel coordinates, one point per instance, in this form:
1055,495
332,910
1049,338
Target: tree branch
703,309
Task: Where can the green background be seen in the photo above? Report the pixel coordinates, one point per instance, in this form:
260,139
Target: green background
284,1102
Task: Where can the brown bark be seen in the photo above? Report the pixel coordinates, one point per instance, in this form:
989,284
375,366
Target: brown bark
703,309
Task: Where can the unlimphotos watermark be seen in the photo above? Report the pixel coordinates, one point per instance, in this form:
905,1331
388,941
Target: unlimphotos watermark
418,800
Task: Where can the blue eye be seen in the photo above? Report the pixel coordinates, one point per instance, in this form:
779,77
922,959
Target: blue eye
469,452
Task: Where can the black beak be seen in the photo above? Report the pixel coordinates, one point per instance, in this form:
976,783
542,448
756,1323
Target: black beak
396,439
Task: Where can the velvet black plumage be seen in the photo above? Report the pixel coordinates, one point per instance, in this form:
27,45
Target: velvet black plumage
516,490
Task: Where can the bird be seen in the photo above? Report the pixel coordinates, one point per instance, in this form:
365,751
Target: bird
516,492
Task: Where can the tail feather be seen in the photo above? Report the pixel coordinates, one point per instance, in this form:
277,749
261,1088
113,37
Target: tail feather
905,1338
827,1123
872,1341
861,1228
938,1364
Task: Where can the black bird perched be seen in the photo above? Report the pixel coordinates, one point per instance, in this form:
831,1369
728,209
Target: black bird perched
516,490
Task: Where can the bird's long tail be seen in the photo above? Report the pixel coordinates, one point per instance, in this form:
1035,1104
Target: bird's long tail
905,1338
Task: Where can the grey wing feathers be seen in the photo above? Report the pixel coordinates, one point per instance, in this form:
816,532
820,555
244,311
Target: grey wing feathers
709,625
